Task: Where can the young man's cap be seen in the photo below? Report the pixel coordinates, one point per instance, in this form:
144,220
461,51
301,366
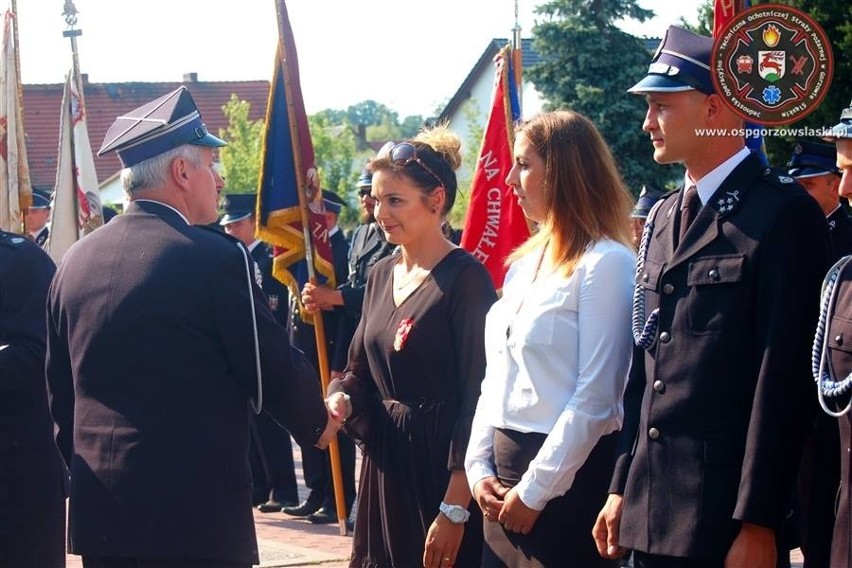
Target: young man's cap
647,197
812,159
681,63
237,206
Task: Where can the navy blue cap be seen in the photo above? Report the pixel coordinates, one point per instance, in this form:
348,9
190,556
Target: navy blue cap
41,199
365,179
332,201
813,159
647,198
157,127
842,129
681,63
237,206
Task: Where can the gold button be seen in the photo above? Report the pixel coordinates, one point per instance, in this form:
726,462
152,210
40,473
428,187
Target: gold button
668,289
659,386
653,433
665,337
714,275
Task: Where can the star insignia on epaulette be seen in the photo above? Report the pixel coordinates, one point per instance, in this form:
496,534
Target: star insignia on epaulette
727,204
785,179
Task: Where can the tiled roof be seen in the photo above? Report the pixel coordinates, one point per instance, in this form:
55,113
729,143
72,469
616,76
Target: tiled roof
106,101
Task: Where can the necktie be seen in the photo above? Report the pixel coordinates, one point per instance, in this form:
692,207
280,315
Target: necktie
689,210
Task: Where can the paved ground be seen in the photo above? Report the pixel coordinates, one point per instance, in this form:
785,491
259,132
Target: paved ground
288,541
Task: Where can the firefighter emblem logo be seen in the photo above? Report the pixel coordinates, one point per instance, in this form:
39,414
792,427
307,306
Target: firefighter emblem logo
772,64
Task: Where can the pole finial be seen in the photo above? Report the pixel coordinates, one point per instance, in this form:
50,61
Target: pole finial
69,11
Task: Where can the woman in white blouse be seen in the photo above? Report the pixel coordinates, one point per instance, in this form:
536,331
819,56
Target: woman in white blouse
558,347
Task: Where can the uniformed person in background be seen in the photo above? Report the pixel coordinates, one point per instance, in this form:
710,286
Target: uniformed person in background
833,343
32,477
813,165
273,468
320,507
37,216
717,409
159,346
648,196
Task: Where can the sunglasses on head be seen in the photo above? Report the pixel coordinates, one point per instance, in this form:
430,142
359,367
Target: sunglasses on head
403,154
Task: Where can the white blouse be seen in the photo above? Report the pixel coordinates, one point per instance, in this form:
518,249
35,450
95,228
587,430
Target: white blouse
558,365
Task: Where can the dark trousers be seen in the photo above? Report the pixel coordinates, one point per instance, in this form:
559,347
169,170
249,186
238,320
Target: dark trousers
34,538
645,560
316,466
273,469
106,562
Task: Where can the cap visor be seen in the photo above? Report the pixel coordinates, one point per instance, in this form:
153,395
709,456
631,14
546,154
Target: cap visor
802,173
658,84
228,219
209,140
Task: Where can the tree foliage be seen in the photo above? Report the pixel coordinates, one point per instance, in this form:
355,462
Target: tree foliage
588,65
240,159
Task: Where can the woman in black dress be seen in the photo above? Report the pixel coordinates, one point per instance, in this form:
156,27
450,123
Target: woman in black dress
415,367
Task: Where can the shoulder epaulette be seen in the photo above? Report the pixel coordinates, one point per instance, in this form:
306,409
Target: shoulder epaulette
779,179
219,232
11,239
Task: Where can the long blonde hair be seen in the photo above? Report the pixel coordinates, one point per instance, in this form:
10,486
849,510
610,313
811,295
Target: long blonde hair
585,197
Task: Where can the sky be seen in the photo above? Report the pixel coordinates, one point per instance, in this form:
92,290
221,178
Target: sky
411,57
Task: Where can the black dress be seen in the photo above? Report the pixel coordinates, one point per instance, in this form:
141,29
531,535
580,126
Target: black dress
414,375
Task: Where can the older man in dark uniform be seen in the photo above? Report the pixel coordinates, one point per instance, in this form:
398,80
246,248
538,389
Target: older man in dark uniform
813,165
272,467
160,344
833,343
32,496
717,408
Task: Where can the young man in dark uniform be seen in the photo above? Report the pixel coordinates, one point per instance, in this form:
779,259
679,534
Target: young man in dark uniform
272,467
160,343
834,345
813,166
717,408
38,216
32,477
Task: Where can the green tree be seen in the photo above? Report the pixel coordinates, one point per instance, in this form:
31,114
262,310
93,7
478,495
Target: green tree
835,17
588,65
240,159
365,114
704,26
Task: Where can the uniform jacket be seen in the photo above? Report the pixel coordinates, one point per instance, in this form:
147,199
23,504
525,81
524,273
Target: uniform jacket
839,339
840,231
151,367
40,238
368,247
716,410
276,292
31,472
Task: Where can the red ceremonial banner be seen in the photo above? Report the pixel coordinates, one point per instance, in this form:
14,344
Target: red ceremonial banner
495,224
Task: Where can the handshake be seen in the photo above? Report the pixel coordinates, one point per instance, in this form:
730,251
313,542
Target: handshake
339,409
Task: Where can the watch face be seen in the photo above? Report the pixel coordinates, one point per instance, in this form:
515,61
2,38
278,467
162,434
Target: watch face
456,514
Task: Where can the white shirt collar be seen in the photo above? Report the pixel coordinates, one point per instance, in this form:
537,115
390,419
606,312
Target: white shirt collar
253,245
708,185
334,230
182,216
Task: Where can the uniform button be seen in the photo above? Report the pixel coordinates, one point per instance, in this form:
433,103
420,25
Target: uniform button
653,433
713,274
839,340
665,337
668,289
659,386
646,278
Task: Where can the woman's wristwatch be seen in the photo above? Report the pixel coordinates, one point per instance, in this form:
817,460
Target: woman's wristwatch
455,513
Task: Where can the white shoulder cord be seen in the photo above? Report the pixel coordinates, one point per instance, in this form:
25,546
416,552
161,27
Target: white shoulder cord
249,280
644,331
826,386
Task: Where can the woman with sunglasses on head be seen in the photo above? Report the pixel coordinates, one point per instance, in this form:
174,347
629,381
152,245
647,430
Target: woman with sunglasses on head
558,348
415,366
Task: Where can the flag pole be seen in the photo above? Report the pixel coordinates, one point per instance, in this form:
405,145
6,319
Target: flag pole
70,14
23,173
517,61
308,189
